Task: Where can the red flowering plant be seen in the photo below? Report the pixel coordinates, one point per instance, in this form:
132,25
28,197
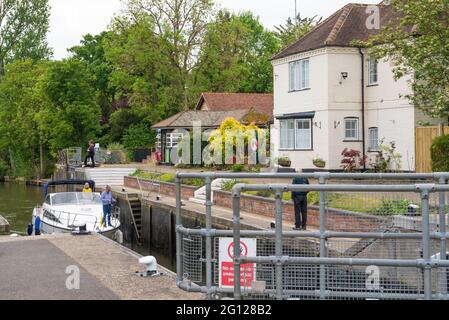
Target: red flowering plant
352,160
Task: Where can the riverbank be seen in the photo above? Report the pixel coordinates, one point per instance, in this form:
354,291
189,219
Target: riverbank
106,270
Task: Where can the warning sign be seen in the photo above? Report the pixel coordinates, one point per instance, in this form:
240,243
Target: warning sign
247,248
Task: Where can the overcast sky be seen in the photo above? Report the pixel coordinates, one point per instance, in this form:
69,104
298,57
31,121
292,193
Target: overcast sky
70,19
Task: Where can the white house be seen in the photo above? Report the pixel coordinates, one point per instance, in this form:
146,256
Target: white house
330,95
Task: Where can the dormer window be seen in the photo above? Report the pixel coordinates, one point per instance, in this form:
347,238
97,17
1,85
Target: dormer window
372,70
299,75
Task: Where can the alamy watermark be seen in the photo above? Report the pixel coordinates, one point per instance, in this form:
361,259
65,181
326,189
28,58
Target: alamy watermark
373,19
216,147
373,278
72,282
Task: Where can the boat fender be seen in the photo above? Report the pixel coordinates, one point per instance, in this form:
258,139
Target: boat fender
30,229
118,237
37,226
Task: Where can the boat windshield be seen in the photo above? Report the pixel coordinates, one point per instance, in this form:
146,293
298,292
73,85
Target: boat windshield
75,198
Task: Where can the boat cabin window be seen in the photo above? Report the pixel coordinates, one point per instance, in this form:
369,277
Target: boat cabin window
47,199
75,198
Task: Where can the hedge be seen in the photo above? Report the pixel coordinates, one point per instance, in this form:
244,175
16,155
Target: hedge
440,154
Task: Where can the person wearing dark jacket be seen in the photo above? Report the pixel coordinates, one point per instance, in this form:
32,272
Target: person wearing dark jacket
90,154
300,201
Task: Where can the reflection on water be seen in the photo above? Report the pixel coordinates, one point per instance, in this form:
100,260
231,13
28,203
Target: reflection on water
17,202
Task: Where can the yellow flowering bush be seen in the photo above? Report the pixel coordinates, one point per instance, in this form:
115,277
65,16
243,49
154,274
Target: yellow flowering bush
232,131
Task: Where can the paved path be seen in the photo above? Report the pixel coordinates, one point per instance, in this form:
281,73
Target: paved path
35,268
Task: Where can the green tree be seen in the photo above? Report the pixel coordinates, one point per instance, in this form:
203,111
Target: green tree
23,28
142,72
293,29
235,56
417,43
71,115
139,136
92,51
21,145
181,25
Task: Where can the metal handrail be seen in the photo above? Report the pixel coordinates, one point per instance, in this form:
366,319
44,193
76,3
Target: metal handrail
424,189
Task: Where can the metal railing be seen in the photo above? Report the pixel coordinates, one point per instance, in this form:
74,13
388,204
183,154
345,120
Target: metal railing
69,219
409,252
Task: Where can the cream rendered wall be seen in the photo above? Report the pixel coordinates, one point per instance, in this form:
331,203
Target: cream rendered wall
314,99
388,109
344,100
334,98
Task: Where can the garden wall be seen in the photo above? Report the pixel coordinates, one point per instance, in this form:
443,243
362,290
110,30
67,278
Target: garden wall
168,189
336,220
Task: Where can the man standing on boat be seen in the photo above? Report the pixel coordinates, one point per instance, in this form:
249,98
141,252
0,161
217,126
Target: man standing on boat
108,200
90,154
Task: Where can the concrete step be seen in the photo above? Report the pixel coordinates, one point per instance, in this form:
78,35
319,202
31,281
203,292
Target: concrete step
108,176
199,201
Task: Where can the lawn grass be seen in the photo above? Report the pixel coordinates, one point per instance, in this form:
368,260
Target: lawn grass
166,177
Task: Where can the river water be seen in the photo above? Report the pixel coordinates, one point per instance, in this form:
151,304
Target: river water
17,202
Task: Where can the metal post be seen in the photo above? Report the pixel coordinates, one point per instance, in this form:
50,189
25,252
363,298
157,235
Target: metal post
236,220
442,222
208,237
323,251
179,254
278,246
426,244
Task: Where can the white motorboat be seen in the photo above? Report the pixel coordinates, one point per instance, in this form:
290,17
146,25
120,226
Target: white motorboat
67,212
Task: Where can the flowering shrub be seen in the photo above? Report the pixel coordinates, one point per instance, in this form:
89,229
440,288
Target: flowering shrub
352,159
230,134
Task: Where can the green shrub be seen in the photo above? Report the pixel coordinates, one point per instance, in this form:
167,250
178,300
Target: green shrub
116,154
313,198
228,185
196,182
3,168
238,168
139,136
440,154
392,207
167,177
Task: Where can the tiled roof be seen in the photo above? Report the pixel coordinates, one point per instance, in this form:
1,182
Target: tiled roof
342,28
208,119
260,102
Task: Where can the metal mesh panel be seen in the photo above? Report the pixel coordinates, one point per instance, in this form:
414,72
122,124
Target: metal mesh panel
378,212
192,258
394,213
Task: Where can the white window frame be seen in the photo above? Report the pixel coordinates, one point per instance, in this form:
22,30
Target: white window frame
289,142
285,142
357,129
373,71
309,121
373,143
173,139
299,75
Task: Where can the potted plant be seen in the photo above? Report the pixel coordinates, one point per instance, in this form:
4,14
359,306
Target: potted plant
284,162
319,163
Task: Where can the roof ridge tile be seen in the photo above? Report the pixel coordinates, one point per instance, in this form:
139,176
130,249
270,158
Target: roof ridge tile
345,12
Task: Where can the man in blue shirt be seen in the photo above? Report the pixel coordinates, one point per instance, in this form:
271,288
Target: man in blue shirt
108,200
300,201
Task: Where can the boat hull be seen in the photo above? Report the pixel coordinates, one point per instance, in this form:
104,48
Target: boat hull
50,228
